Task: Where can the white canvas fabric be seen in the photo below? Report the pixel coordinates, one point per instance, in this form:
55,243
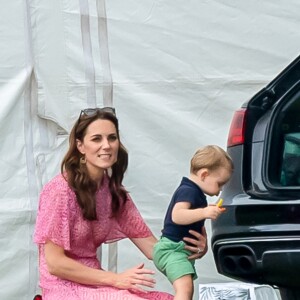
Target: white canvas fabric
174,70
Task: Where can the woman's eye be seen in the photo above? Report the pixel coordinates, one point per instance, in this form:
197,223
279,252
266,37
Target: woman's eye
112,138
97,139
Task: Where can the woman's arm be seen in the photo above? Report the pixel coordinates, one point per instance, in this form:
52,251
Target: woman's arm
67,268
199,242
145,245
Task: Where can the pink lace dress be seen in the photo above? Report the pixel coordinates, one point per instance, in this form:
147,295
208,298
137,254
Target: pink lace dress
59,219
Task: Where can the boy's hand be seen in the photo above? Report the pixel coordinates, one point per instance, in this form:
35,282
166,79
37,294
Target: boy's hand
212,211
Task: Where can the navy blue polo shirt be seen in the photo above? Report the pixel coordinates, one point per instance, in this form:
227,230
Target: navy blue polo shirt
188,191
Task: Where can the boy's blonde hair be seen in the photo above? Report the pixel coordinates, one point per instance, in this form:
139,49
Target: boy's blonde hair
211,157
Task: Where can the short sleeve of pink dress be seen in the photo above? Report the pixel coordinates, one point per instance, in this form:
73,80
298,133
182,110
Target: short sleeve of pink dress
59,219
55,214
129,223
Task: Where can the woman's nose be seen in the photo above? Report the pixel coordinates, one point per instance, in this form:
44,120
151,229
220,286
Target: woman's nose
105,143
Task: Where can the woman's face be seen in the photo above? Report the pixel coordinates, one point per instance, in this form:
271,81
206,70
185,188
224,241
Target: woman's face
100,146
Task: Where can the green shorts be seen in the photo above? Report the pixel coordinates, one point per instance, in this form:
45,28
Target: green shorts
172,259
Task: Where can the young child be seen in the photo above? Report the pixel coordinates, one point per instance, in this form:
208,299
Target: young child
211,167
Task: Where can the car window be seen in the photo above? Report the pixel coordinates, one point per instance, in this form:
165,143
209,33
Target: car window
290,174
286,142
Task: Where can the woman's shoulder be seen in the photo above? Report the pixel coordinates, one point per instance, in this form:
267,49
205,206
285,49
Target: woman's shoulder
57,195
57,185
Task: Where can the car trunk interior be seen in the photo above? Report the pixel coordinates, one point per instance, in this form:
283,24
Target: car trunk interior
284,152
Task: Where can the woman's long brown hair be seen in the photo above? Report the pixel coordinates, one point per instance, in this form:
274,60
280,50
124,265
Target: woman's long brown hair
77,175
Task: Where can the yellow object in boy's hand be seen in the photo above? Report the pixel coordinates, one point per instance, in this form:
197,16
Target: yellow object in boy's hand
219,204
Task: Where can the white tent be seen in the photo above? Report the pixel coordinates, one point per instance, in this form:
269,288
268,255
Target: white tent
174,70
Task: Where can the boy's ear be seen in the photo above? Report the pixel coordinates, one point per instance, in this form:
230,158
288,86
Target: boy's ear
202,173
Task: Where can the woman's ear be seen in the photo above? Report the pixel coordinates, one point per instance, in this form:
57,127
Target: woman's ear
80,146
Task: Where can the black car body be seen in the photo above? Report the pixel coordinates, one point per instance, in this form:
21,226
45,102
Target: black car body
258,238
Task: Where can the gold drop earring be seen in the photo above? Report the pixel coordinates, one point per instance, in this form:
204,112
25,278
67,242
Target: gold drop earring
83,160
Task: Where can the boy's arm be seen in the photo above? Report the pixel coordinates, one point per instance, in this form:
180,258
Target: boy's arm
183,215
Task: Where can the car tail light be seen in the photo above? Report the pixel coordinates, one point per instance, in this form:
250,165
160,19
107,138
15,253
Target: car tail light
237,129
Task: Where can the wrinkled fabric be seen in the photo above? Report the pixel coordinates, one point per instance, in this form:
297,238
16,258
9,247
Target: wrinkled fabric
103,293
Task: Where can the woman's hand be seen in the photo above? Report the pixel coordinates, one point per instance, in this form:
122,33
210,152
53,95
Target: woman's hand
135,279
62,266
199,247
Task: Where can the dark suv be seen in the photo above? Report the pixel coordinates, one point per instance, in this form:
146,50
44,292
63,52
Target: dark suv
258,238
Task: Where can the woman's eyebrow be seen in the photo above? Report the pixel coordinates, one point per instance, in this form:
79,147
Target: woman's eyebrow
96,135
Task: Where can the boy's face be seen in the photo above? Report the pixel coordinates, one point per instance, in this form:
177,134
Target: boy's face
211,182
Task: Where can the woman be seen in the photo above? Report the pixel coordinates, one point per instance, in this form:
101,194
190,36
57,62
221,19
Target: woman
87,205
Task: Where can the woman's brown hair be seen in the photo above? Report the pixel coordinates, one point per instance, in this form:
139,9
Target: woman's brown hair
77,175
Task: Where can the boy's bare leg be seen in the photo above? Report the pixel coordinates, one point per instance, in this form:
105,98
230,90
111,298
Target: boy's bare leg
184,288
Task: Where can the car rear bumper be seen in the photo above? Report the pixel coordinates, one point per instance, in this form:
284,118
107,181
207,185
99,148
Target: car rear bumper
273,260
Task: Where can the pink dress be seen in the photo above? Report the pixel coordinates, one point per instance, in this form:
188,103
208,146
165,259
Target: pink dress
59,219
